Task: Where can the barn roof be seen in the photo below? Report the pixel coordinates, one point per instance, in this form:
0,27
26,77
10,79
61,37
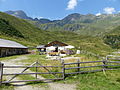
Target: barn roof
56,43
10,44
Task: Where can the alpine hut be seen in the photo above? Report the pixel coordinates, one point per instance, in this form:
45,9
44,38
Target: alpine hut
55,48
8,48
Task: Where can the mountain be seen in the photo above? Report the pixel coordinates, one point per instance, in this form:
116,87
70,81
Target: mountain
88,24
19,13
83,24
21,31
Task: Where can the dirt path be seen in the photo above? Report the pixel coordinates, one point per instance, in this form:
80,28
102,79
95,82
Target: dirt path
22,86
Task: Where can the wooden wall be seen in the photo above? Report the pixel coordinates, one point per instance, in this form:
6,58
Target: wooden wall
12,51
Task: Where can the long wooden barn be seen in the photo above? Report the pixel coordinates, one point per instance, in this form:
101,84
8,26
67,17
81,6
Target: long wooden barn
8,48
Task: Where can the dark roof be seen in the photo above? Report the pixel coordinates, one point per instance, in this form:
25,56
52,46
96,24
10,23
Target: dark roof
41,46
56,43
10,44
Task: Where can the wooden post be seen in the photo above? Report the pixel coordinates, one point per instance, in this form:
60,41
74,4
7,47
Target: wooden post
105,62
78,65
1,72
36,69
63,69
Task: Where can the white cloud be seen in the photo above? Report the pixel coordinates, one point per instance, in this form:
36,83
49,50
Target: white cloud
72,4
98,14
109,10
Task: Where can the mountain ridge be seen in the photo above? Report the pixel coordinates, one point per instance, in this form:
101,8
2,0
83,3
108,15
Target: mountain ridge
88,24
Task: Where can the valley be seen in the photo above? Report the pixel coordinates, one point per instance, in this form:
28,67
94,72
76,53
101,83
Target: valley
95,37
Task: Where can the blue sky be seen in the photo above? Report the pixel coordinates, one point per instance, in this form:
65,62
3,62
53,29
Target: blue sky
57,9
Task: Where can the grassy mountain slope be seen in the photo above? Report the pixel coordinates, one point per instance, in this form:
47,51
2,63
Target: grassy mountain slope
7,29
33,36
30,32
92,45
113,38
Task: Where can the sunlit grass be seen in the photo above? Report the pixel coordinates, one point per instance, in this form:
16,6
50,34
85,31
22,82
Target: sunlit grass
96,81
10,57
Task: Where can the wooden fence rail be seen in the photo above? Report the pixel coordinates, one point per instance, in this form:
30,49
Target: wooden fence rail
33,73
103,65
83,62
29,66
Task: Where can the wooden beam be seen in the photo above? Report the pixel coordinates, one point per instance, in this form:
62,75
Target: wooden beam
29,66
63,69
85,71
1,72
83,62
84,67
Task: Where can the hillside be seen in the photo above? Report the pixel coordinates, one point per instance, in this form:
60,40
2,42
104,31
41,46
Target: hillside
113,38
29,35
7,29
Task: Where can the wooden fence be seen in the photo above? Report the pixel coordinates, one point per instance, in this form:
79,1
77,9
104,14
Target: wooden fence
74,68
35,65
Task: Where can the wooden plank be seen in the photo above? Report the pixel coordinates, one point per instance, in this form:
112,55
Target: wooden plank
36,70
112,65
85,71
28,66
83,62
31,80
78,69
63,69
1,72
33,73
113,61
84,67
112,69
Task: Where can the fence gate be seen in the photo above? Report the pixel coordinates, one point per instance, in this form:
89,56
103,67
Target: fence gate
36,69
